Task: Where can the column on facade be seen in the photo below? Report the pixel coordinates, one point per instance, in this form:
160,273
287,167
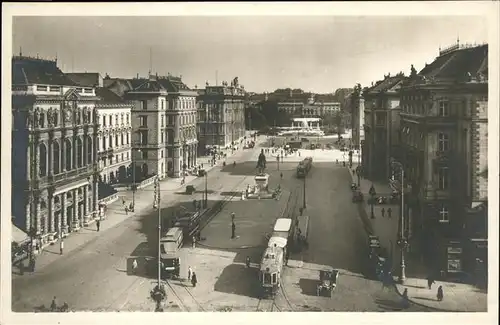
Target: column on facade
29,221
51,213
38,214
95,197
86,203
196,154
85,150
37,160
73,152
75,206
64,217
62,155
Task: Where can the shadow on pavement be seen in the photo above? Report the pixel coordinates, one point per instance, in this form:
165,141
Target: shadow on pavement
308,286
239,280
231,193
389,305
424,298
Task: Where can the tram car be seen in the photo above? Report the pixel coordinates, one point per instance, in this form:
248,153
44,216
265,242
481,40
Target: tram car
170,244
274,258
304,167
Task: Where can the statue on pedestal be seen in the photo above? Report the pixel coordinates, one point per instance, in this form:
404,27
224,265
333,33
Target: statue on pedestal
261,163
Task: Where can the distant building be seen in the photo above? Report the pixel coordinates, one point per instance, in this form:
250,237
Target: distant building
54,150
381,126
221,115
314,106
444,121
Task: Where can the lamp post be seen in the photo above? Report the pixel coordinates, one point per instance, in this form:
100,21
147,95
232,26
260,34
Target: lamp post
158,293
372,193
304,198
402,241
205,202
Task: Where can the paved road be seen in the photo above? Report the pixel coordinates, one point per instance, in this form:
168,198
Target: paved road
94,276
336,238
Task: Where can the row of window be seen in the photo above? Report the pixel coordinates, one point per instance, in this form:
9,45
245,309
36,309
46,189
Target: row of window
178,104
58,88
117,158
442,138
107,120
119,140
424,109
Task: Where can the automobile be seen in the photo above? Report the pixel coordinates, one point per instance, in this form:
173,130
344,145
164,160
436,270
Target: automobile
328,281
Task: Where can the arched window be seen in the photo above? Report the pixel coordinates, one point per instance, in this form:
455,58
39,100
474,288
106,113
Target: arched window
103,142
69,148
56,155
89,150
43,159
79,152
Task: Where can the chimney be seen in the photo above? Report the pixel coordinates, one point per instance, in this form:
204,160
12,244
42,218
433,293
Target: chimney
137,75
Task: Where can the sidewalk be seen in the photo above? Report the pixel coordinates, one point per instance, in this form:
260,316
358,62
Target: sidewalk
457,296
115,214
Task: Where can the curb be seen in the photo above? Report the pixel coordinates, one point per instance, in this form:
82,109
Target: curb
227,248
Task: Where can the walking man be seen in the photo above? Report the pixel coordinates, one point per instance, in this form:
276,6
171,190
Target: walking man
281,175
126,210
194,279
430,282
383,212
61,247
233,230
190,271
194,241
98,225
389,212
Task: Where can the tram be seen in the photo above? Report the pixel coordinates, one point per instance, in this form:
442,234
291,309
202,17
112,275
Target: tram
274,258
304,167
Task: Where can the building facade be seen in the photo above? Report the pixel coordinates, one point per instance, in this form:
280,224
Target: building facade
149,129
315,106
54,150
181,117
222,115
444,138
114,138
381,126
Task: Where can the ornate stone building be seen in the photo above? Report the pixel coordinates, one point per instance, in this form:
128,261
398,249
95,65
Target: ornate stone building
54,149
381,126
222,115
444,138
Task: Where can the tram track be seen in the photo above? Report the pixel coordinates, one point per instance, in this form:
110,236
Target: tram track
183,305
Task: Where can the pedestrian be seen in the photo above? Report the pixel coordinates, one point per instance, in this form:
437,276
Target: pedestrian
281,175
389,212
232,216
440,293
383,212
233,230
247,261
430,282
194,279
131,207
53,305
98,225
61,247
123,201
190,271
194,241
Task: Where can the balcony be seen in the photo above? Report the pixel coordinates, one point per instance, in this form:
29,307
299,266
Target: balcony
108,153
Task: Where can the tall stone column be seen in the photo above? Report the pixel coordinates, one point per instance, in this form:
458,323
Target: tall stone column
75,209
73,152
38,221
37,161
95,194
51,213
29,219
64,215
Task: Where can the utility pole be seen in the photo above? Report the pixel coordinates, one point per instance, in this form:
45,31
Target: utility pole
206,191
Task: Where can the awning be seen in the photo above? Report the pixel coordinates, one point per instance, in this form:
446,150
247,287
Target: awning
18,235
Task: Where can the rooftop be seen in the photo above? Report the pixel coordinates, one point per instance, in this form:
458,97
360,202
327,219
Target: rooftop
28,71
85,79
108,96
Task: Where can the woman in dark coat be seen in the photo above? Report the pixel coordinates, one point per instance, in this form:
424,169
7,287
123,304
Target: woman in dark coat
194,279
440,293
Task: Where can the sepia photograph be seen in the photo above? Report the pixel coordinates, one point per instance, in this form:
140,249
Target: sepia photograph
196,161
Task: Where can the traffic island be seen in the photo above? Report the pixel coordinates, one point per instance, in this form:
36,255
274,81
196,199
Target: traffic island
261,189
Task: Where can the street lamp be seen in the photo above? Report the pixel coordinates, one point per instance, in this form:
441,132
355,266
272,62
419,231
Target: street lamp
402,241
158,293
372,193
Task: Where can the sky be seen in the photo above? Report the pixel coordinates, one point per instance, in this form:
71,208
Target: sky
315,53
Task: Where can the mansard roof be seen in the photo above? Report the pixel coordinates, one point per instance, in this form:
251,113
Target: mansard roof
29,71
86,79
108,96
